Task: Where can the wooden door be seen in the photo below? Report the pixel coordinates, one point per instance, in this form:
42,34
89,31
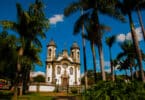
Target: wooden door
64,81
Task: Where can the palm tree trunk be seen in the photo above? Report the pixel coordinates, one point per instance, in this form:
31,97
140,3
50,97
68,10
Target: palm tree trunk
136,72
17,79
112,71
85,63
84,54
26,79
126,74
136,46
131,73
101,57
15,96
94,60
140,21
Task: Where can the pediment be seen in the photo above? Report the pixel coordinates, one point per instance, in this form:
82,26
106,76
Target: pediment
68,59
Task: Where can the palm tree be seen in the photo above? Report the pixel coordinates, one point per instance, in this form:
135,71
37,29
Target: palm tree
38,26
92,37
109,42
29,26
127,7
90,7
30,59
140,5
67,12
8,55
128,55
21,27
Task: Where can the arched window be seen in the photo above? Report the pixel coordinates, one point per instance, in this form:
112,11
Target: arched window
72,54
78,54
49,52
58,70
71,71
48,66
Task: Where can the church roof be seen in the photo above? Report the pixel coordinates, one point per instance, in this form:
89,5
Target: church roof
51,43
75,46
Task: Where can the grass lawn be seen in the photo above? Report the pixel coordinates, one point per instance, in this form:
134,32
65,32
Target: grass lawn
34,96
7,95
46,96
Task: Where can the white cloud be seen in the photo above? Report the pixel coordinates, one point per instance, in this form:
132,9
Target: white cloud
56,18
138,32
34,74
122,37
108,70
107,63
107,66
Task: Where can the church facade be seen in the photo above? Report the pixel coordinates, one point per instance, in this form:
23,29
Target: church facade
63,69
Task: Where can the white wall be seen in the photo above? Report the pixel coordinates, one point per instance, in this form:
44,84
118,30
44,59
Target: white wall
46,88
78,76
49,73
32,88
41,88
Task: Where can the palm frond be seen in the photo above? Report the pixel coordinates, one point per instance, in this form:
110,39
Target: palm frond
110,40
72,8
6,24
113,12
37,43
105,28
19,11
120,55
80,22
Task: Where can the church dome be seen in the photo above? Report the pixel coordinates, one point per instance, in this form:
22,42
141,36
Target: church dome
51,43
75,46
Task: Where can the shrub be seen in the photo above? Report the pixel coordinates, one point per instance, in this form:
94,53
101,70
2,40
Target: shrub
74,90
117,91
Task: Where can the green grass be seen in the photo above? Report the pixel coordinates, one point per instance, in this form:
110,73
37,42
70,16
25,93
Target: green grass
7,95
34,96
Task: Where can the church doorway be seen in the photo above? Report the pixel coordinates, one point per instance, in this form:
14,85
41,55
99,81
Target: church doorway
64,81
65,84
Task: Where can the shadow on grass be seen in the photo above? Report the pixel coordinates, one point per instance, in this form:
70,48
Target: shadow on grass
6,95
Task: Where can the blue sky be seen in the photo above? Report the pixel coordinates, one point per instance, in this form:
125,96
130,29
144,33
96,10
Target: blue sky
61,29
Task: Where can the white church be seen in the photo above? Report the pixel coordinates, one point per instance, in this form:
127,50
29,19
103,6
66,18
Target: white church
63,69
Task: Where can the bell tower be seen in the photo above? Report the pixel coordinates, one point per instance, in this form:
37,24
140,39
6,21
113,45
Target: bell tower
75,52
51,51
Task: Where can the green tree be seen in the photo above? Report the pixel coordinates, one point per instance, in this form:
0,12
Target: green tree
30,25
110,41
8,55
95,6
92,36
70,9
127,7
139,6
21,28
116,91
30,59
128,56
39,78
